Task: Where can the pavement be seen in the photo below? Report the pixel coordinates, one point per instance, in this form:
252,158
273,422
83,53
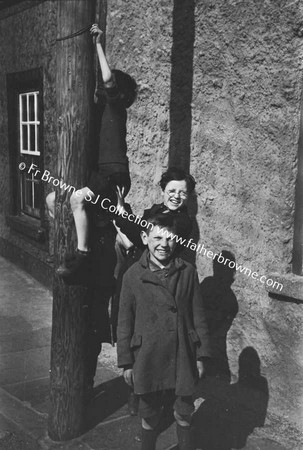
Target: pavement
228,416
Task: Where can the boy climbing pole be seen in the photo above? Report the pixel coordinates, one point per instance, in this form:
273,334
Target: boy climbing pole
118,92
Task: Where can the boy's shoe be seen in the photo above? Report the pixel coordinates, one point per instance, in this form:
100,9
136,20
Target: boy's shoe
74,270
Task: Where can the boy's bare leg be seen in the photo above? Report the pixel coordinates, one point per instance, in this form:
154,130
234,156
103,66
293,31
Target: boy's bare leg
75,269
77,201
50,203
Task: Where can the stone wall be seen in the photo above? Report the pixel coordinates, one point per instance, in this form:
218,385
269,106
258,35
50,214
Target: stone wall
28,41
246,78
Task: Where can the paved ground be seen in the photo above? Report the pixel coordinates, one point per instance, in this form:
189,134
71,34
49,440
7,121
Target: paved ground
230,417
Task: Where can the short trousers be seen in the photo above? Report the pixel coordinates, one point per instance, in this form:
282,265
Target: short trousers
151,404
103,180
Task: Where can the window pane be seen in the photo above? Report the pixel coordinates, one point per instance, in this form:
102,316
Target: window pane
24,108
28,193
32,138
37,139
24,137
31,107
37,195
37,106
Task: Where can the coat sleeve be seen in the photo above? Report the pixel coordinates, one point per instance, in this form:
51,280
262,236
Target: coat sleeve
199,318
126,322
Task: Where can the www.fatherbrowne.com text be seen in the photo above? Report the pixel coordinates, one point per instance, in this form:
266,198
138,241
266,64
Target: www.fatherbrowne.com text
188,243
106,204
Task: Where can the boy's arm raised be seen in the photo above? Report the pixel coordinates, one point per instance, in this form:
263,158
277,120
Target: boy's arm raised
105,69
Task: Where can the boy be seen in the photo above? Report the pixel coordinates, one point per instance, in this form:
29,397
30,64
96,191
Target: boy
162,333
117,93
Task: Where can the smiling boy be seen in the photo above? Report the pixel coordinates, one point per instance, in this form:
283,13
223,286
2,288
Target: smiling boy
162,333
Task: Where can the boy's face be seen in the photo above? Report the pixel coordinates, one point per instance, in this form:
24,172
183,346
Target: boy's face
175,194
160,244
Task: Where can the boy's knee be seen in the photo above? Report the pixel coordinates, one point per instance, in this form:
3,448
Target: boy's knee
77,199
50,199
183,420
50,203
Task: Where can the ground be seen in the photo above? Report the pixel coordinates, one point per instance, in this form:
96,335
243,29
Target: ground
25,331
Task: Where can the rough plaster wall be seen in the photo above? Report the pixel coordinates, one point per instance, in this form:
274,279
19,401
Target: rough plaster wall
139,43
248,87
245,121
28,38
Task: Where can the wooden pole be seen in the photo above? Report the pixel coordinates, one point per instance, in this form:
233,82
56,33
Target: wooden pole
75,86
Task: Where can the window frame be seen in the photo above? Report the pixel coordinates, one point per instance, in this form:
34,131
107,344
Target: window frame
28,123
25,83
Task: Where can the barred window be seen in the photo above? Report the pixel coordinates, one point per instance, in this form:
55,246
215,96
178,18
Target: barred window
25,123
29,152
29,123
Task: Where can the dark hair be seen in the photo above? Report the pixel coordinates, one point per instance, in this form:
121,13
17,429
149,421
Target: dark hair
173,173
127,86
162,220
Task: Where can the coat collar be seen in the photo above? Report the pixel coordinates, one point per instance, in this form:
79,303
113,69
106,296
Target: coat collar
160,207
148,275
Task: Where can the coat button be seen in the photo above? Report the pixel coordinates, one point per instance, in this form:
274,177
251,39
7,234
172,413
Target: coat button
173,309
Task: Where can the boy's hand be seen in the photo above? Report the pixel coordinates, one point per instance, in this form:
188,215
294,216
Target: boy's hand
96,32
200,368
129,377
120,196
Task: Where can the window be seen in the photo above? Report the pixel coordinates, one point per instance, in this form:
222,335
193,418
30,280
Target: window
29,123
25,120
29,151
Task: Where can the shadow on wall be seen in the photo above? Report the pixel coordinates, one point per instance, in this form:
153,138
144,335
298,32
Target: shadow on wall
189,254
181,83
182,53
231,411
221,308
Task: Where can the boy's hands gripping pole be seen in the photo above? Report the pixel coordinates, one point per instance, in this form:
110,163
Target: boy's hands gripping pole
105,69
96,33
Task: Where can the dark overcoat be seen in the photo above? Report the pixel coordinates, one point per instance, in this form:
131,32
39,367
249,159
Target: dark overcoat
161,327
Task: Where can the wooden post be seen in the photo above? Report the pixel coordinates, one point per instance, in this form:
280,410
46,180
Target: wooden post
75,87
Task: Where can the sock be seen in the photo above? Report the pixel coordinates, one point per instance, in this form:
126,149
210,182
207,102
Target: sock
83,252
149,438
184,437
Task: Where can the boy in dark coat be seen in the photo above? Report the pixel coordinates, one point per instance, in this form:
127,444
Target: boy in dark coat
162,333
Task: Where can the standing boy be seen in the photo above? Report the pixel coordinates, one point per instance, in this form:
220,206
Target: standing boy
162,333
